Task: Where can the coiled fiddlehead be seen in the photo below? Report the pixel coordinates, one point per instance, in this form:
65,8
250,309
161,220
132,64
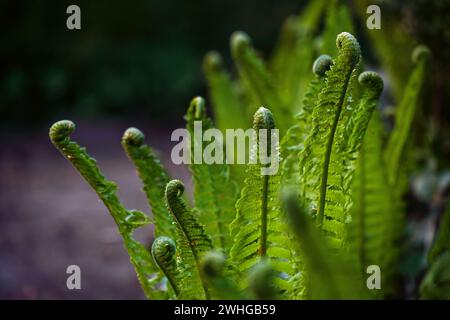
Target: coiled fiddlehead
193,241
372,87
349,49
261,281
186,220
322,64
213,269
163,251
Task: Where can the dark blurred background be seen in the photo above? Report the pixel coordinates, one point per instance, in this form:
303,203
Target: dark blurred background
133,63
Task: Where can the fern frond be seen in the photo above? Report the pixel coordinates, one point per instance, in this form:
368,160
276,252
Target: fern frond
356,127
192,242
291,60
229,111
258,230
321,167
127,221
163,252
261,281
294,138
213,267
154,178
377,222
329,273
257,79
405,114
320,67
214,192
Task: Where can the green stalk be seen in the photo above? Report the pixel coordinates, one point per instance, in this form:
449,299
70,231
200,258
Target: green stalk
263,247
324,180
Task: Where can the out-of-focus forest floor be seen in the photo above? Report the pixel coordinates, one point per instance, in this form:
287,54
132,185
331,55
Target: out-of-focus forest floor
50,218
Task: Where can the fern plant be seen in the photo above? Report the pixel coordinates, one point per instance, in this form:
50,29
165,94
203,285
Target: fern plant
310,230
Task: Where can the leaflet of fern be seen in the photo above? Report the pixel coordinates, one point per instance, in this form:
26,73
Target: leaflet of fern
259,230
214,192
126,220
257,79
229,111
293,140
154,178
192,243
320,168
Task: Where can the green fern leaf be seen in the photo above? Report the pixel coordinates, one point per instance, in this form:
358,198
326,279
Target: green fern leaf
213,266
376,227
214,192
229,111
127,221
356,127
192,243
396,148
257,79
293,140
320,168
329,273
154,178
163,252
259,230
261,281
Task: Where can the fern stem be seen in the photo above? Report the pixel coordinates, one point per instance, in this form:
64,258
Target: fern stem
263,247
263,119
324,180
348,58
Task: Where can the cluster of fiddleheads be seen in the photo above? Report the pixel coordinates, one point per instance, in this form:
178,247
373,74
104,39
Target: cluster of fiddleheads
311,229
